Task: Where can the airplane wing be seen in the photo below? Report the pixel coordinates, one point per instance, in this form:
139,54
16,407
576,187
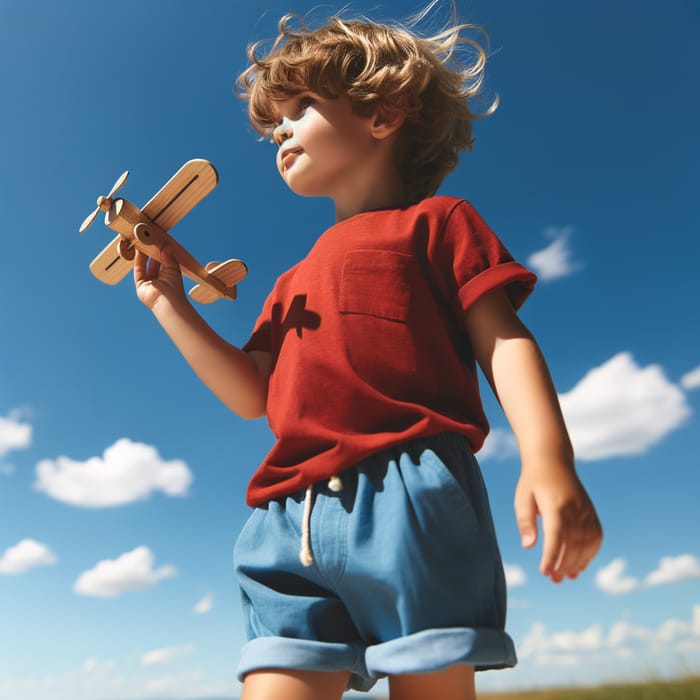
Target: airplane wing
190,184
109,267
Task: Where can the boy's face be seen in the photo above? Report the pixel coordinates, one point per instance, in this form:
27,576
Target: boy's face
323,147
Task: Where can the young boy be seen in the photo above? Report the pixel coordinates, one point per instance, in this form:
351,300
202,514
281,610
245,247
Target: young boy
371,551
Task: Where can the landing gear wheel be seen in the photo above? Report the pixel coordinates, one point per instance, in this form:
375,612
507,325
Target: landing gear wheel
126,249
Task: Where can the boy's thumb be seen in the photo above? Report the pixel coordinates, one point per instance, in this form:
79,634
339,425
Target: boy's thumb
526,517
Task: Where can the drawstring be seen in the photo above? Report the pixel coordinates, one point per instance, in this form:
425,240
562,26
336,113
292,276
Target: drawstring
305,553
335,484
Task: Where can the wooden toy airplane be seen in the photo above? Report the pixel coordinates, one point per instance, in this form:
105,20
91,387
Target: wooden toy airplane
146,230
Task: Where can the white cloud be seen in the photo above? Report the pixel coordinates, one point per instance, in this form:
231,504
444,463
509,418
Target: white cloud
515,576
691,380
623,633
683,567
622,640
691,645
14,435
617,409
132,571
590,639
534,642
611,579
27,554
555,260
499,444
621,409
127,472
560,647
204,605
671,630
97,678
165,655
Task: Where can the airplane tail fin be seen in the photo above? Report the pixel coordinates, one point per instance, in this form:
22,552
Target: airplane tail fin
229,273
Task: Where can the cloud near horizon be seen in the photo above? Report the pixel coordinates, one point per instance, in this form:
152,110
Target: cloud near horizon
132,571
127,471
593,645
165,655
611,579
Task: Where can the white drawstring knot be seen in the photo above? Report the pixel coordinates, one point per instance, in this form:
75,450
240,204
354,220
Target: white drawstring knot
335,484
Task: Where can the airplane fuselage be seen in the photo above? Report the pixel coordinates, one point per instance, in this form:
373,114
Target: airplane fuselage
139,231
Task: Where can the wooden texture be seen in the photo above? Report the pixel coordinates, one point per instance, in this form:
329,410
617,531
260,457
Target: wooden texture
190,184
229,274
109,267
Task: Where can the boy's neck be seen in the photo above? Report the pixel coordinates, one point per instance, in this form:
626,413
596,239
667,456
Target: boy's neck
384,191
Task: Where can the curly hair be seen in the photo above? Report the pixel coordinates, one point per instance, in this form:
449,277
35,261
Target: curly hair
383,69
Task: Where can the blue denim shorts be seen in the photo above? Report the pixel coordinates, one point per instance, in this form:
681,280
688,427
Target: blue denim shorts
406,574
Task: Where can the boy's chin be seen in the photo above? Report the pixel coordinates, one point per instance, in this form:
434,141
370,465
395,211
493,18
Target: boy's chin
304,189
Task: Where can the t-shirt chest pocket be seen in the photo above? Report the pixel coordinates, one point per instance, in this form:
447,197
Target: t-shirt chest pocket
376,283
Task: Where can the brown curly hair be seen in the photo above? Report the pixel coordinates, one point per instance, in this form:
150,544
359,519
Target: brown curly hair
384,69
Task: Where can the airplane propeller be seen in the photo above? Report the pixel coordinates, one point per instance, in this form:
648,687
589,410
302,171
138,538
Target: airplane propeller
105,203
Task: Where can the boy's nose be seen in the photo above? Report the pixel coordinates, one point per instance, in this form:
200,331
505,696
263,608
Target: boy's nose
282,131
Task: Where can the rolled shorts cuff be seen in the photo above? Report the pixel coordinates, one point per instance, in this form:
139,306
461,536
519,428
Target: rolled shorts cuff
307,655
423,652
435,649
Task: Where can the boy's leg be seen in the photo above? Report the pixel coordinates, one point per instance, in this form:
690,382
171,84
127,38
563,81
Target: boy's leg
453,683
294,685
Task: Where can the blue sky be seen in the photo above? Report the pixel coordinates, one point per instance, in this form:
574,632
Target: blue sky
587,171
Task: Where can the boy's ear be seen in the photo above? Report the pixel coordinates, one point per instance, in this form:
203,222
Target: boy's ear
386,122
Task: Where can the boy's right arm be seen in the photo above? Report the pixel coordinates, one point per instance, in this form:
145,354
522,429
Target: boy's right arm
549,486
237,378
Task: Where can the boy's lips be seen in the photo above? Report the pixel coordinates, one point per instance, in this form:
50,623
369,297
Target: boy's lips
288,156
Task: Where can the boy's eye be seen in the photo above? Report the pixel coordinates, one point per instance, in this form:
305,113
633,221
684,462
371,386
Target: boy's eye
304,103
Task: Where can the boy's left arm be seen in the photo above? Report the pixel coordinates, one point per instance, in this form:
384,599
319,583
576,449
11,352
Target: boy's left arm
548,485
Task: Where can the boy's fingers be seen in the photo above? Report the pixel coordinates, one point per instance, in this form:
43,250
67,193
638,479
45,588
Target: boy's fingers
572,557
168,257
526,517
572,537
581,543
140,265
581,561
553,548
145,268
588,546
593,540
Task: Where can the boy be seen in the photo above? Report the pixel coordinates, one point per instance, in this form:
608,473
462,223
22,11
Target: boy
371,550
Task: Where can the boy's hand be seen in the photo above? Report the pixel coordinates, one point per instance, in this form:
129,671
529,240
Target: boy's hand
155,280
571,529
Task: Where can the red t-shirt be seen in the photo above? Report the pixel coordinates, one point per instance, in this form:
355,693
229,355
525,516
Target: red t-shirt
368,342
